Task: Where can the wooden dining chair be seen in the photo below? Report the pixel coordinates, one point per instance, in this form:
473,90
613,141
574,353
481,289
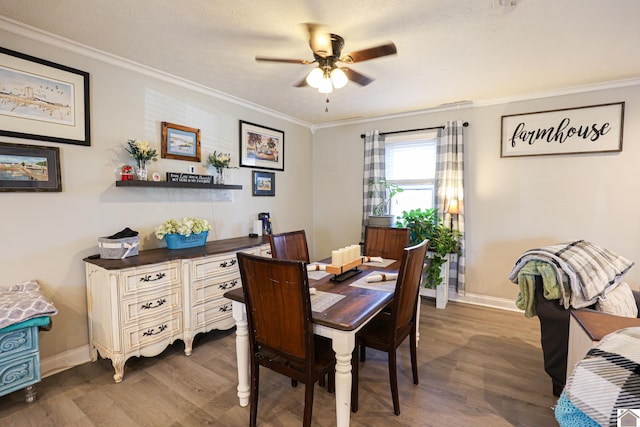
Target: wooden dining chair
385,242
291,245
281,334
389,329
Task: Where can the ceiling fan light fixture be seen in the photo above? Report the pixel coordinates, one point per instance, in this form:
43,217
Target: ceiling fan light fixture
325,86
315,77
338,78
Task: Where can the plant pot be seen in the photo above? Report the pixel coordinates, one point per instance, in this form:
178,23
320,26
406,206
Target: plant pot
441,292
381,220
178,241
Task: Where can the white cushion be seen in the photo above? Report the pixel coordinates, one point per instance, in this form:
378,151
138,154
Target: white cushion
618,301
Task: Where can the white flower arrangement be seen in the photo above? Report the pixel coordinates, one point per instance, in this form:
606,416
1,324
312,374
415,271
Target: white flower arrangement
186,227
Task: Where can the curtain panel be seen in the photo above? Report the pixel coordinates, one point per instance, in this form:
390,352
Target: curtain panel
373,171
450,192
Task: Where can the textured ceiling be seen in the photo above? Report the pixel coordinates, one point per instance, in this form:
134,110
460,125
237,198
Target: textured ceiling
448,50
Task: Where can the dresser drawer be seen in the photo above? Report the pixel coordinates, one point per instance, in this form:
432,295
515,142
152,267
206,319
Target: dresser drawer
17,342
214,288
265,251
19,372
150,278
139,336
219,264
151,304
218,311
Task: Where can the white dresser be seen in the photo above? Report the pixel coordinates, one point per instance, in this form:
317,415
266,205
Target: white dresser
140,305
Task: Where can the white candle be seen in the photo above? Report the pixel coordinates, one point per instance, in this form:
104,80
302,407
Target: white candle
345,255
356,252
336,257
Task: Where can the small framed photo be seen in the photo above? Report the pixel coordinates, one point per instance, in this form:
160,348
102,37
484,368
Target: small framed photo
261,147
180,142
29,168
42,100
264,183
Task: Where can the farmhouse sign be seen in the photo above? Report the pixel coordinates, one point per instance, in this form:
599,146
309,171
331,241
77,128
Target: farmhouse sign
593,129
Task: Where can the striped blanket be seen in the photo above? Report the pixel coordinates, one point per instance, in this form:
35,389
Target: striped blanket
583,270
604,383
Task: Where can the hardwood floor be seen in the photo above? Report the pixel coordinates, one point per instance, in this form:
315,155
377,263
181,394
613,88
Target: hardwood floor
478,367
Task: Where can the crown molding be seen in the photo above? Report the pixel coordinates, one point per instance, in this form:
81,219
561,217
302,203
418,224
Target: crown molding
50,39
612,84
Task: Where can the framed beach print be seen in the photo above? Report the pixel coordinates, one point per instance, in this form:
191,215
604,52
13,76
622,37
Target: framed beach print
264,183
180,142
29,168
261,147
43,100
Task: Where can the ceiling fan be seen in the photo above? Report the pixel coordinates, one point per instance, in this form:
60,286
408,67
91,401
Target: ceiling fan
327,53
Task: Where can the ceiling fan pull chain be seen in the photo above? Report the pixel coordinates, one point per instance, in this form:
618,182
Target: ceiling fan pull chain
326,108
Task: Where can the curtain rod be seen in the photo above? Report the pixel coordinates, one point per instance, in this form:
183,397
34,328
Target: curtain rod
465,124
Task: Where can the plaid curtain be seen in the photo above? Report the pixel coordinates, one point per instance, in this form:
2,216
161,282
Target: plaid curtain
373,170
450,186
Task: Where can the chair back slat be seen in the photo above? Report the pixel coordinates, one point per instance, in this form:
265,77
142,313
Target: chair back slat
385,242
291,245
278,305
405,299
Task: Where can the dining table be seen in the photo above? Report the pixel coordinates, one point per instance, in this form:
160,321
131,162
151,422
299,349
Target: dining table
341,306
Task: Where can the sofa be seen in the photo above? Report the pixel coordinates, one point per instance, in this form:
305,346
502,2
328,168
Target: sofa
554,335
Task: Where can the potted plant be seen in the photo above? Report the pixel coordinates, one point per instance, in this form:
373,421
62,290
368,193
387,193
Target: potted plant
220,161
186,233
443,241
384,192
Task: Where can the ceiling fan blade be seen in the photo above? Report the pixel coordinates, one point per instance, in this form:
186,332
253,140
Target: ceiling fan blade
302,83
356,77
319,40
285,60
371,53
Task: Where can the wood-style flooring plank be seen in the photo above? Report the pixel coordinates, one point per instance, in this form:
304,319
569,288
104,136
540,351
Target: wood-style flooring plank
477,366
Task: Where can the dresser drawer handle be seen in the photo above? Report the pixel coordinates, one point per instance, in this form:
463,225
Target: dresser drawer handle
226,264
149,305
149,278
225,308
228,285
152,331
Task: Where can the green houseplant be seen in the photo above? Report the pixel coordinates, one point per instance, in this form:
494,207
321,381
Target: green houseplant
383,191
425,224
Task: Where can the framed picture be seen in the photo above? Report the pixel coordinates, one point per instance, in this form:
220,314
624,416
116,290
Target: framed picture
29,168
261,147
43,100
180,142
264,183
590,129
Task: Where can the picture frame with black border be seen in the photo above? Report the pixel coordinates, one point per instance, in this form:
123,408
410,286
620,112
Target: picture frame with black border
264,183
261,147
29,168
43,100
180,142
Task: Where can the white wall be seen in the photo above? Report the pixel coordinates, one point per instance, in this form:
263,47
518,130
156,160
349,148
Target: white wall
512,204
45,236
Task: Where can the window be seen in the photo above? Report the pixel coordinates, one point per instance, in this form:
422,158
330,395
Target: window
410,162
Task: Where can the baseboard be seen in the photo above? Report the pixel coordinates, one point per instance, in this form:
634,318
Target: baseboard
63,361
475,299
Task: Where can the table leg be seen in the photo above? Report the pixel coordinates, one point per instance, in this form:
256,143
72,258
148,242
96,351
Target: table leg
343,344
242,352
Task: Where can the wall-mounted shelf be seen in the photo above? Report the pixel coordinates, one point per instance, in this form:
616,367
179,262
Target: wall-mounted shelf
167,184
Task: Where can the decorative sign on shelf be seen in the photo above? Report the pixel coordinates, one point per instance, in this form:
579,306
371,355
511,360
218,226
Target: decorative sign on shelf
593,129
189,178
